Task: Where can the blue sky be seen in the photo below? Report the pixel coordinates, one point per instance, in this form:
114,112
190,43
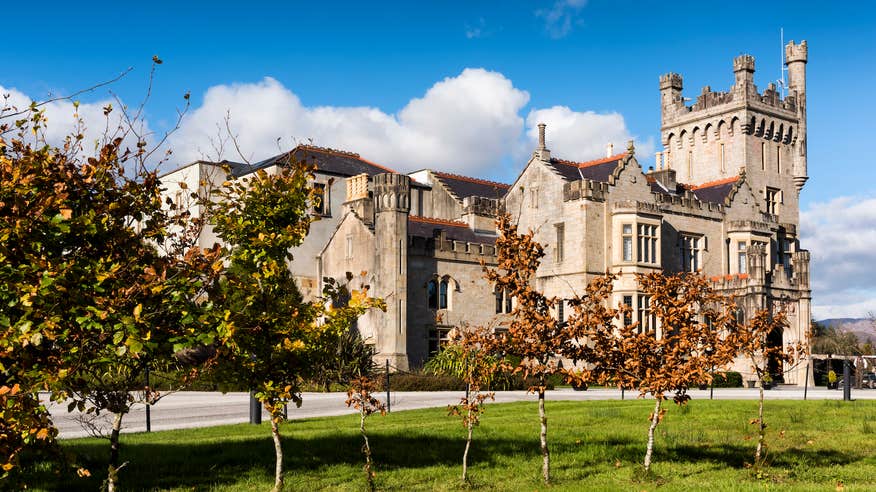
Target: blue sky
378,72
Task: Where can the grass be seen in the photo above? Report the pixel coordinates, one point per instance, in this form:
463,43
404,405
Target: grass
595,445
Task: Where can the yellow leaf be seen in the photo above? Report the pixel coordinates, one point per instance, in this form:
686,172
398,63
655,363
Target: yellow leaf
137,311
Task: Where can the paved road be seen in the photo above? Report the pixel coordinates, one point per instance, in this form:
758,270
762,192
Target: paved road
203,409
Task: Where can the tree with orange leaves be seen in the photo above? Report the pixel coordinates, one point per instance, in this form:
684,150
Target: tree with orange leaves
751,339
534,338
687,343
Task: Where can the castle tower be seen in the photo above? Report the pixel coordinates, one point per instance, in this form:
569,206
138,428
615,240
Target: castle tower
796,56
391,209
723,134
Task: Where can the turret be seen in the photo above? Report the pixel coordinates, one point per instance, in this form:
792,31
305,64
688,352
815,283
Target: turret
796,56
671,85
743,69
392,194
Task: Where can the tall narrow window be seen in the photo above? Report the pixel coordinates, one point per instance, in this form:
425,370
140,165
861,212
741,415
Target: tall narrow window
432,294
628,311
763,156
533,197
743,257
723,163
348,251
779,159
690,253
690,164
647,252
561,239
647,319
561,310
627,242
499,301
319,199
773,197
508,303
442,294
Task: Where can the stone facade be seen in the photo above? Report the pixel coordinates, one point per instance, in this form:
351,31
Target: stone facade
721,199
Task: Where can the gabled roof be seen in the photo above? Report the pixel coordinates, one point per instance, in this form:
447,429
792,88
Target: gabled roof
715,191
464,186
459,231
329,161
596,170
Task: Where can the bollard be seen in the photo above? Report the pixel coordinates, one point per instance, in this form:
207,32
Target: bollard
148,406
847,381
806,383
387,386
255,409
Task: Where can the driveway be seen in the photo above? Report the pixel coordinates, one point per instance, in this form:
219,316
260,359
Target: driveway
189,409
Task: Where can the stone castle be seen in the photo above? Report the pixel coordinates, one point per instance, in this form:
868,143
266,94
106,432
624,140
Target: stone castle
722,198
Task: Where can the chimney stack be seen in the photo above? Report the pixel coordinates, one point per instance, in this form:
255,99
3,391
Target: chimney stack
609,150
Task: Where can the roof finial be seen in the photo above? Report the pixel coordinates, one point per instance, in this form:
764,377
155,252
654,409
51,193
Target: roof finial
541,127
631,149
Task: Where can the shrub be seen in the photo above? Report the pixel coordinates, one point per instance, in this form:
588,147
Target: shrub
729,379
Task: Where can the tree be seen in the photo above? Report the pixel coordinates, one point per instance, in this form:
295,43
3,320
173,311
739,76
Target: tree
752,341
96,284
534,337
469,357
270,337
360,396
682,350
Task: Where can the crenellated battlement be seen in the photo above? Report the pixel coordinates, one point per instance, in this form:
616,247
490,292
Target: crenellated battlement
441,247
392,192
585,189
486,207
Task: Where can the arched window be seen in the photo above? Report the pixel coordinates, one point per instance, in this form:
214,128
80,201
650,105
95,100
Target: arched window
442,294
432,293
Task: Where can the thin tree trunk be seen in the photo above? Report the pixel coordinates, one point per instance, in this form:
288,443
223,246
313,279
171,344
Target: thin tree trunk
467,446
366,448
112,479
545,454
655,419
278,450
761,434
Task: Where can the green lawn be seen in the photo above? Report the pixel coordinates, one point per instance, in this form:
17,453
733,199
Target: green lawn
595,445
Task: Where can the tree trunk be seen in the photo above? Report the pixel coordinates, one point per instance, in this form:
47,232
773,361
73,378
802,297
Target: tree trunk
112,479
278,450
545,454
366,448
655,419
467,446
761,433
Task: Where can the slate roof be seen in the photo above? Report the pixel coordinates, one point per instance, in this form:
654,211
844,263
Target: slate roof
329,161
459,231
715,191
464,186
596,170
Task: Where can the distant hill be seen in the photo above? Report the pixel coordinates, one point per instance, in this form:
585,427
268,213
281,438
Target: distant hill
863,328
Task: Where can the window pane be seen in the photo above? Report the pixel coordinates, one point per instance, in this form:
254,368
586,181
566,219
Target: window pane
432,294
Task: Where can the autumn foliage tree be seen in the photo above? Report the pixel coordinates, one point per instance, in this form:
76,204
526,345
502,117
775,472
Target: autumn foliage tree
269,337
534,339
688,342
96,287
469,356
752,341
360,396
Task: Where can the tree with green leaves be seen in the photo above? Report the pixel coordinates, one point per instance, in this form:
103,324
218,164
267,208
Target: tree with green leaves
270,337
96,285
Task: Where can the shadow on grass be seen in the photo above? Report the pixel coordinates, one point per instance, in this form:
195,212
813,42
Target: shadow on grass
201,466
204,465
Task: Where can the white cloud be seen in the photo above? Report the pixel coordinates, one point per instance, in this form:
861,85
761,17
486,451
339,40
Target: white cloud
561,17
463,124
584,135
62,117
841,235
